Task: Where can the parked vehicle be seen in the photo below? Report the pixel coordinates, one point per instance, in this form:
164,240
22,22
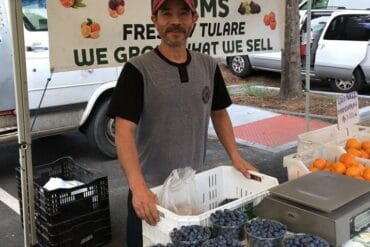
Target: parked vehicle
340,50
73,100
335,4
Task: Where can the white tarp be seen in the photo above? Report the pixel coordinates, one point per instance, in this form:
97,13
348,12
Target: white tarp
225,27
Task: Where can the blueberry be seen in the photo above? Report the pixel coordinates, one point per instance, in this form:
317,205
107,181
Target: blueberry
222,241
228,222
306,240
192,235
264,232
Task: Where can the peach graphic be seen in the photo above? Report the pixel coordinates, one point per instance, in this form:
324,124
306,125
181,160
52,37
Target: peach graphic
90,29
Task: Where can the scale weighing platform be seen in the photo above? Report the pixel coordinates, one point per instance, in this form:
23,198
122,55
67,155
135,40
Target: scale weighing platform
334,207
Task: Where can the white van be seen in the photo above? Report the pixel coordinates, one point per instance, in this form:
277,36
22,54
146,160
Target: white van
69,100
336,4
340,51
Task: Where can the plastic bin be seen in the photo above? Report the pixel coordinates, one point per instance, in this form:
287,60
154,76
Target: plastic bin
63,204
317,138
297,164
93,229
215,185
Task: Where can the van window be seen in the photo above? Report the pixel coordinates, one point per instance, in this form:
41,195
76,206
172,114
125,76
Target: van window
315,4
349,27
35,15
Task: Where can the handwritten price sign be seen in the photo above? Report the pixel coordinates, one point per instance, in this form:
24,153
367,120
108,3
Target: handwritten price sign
347,110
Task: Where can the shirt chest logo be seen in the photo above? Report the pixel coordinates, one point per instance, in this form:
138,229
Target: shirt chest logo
206,94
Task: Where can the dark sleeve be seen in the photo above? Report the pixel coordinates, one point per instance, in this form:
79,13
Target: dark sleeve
128,96
221,98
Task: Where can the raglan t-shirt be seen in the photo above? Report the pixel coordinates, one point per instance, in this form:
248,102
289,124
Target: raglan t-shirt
171,105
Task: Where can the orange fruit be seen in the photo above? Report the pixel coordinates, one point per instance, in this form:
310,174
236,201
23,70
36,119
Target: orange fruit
353,171
328,169
361,167
365,145
354,151
319,163
313,169
347,159
353,143
367,150
364,154
338,167
366,174
328,164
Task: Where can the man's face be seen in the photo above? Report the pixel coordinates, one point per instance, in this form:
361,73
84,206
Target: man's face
174,22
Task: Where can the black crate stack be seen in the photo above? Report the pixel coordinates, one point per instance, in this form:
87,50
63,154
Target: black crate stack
79,216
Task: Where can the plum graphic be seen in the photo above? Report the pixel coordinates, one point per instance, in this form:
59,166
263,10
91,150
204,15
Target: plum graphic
255,8
116,8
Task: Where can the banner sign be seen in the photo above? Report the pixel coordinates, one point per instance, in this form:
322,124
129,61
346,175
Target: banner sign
87,34
347,110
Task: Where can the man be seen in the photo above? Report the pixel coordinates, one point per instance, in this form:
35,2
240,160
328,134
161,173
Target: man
162,104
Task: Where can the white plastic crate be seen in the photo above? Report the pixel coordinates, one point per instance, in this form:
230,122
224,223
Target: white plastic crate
317,138
297,164
214,186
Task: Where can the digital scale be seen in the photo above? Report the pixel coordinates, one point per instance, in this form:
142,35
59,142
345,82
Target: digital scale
332,206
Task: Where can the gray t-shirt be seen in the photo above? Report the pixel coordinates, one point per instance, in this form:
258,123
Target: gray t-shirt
173,120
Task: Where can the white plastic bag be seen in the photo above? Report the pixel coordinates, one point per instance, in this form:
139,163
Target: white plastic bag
179,192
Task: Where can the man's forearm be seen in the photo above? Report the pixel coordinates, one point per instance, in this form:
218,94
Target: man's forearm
223,127
127,153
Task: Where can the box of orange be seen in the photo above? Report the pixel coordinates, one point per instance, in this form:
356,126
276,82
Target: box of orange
331,158
330,134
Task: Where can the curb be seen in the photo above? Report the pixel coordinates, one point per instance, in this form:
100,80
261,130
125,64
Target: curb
364,112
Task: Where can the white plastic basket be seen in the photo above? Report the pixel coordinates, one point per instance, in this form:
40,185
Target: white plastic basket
297,164
317,138
214,186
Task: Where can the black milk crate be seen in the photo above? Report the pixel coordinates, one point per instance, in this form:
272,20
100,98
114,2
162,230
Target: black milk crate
62,204
93,229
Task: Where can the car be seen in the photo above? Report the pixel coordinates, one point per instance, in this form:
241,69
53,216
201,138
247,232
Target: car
330,4
346,31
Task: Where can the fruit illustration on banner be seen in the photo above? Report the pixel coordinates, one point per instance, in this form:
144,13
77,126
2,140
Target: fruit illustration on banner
90,29
270,20
246,8
116,8
72,3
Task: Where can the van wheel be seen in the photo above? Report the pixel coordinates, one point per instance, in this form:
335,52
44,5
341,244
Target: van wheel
240,65
101,131
344,86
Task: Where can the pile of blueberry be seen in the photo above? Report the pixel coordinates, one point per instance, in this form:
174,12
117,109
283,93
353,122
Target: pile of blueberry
222,241
229,223
305,240
193,235
264,232
161,245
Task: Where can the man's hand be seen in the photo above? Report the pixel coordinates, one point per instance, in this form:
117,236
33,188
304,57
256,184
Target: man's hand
243,166
144,202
